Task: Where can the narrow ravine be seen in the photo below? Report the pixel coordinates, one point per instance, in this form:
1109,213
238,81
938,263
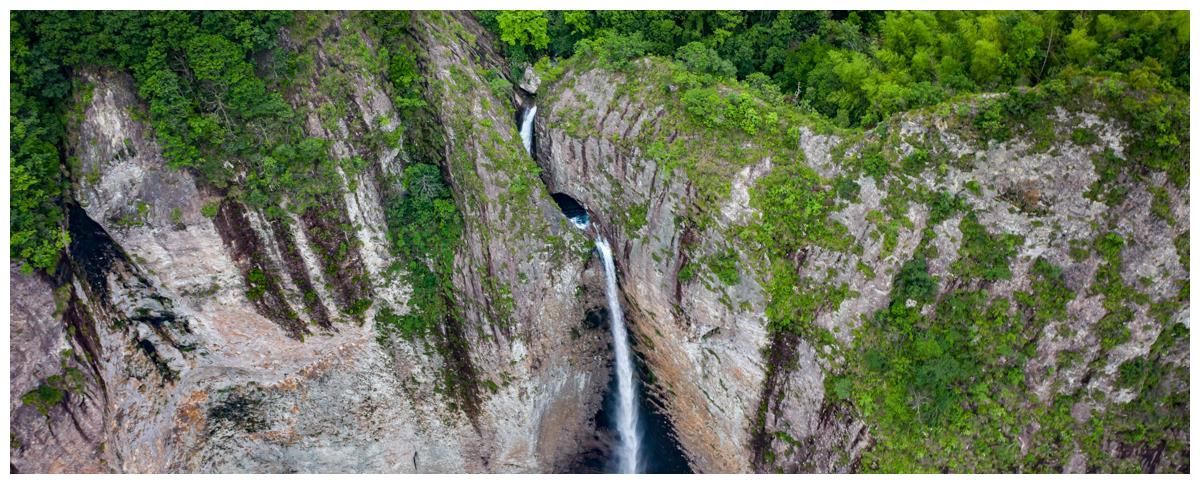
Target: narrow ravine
625,421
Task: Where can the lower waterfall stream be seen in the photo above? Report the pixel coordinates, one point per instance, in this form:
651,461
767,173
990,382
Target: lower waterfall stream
628,430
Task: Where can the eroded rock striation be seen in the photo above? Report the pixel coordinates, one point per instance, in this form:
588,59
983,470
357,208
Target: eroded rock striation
235,341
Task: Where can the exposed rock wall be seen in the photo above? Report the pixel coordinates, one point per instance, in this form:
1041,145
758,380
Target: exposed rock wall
731,388
704,354
189,368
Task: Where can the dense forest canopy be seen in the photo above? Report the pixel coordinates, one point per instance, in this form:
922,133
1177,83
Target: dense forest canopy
859,67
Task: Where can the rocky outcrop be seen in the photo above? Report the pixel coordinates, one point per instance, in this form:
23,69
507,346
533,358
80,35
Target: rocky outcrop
199,333
521,265
743,398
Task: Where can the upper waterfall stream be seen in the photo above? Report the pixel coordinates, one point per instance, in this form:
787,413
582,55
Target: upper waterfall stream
527,129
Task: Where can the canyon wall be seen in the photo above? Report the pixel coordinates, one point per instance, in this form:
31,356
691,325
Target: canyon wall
235,340
743,398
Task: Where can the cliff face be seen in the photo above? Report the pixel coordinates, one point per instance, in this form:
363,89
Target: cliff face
197,333
743,398
704,354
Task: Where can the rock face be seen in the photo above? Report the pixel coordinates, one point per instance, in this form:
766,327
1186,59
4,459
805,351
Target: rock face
530,81
730,386
705,354
174,363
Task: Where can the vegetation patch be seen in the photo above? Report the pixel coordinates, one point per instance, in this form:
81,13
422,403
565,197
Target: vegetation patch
984,255
54,390
425,229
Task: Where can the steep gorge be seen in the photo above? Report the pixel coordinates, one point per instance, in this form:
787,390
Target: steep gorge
195,331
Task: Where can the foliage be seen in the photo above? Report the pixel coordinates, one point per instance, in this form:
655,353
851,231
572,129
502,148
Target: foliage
523,28
984,255
615,51
206,102
635,218
425,228
794,204
388,26
54,390
947,392
701,59
724,266
43,398
736,111
858,68
1113,327
210,208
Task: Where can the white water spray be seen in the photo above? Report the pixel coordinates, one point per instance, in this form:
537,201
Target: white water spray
527,129
580,221
628,461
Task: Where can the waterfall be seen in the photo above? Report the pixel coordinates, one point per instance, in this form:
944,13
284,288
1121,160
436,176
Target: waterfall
527,129
628,451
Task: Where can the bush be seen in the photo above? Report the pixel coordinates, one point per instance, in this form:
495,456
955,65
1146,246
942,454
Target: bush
613,50
794,205
724,266
43,398
53,391
982,254
210,208
698,58
425,228
705,105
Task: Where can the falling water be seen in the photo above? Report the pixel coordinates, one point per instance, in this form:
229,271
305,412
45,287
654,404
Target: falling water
527,129
628,452
627,415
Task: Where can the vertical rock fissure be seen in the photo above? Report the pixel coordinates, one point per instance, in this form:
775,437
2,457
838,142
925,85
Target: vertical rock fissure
780,354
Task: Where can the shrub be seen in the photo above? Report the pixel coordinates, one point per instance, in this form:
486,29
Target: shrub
705,105
794,205
700,59
982,254
614,51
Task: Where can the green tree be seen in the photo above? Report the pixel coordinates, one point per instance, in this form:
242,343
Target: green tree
524,28
699,58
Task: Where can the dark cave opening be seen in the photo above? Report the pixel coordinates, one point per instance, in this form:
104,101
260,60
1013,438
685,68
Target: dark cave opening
572,209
